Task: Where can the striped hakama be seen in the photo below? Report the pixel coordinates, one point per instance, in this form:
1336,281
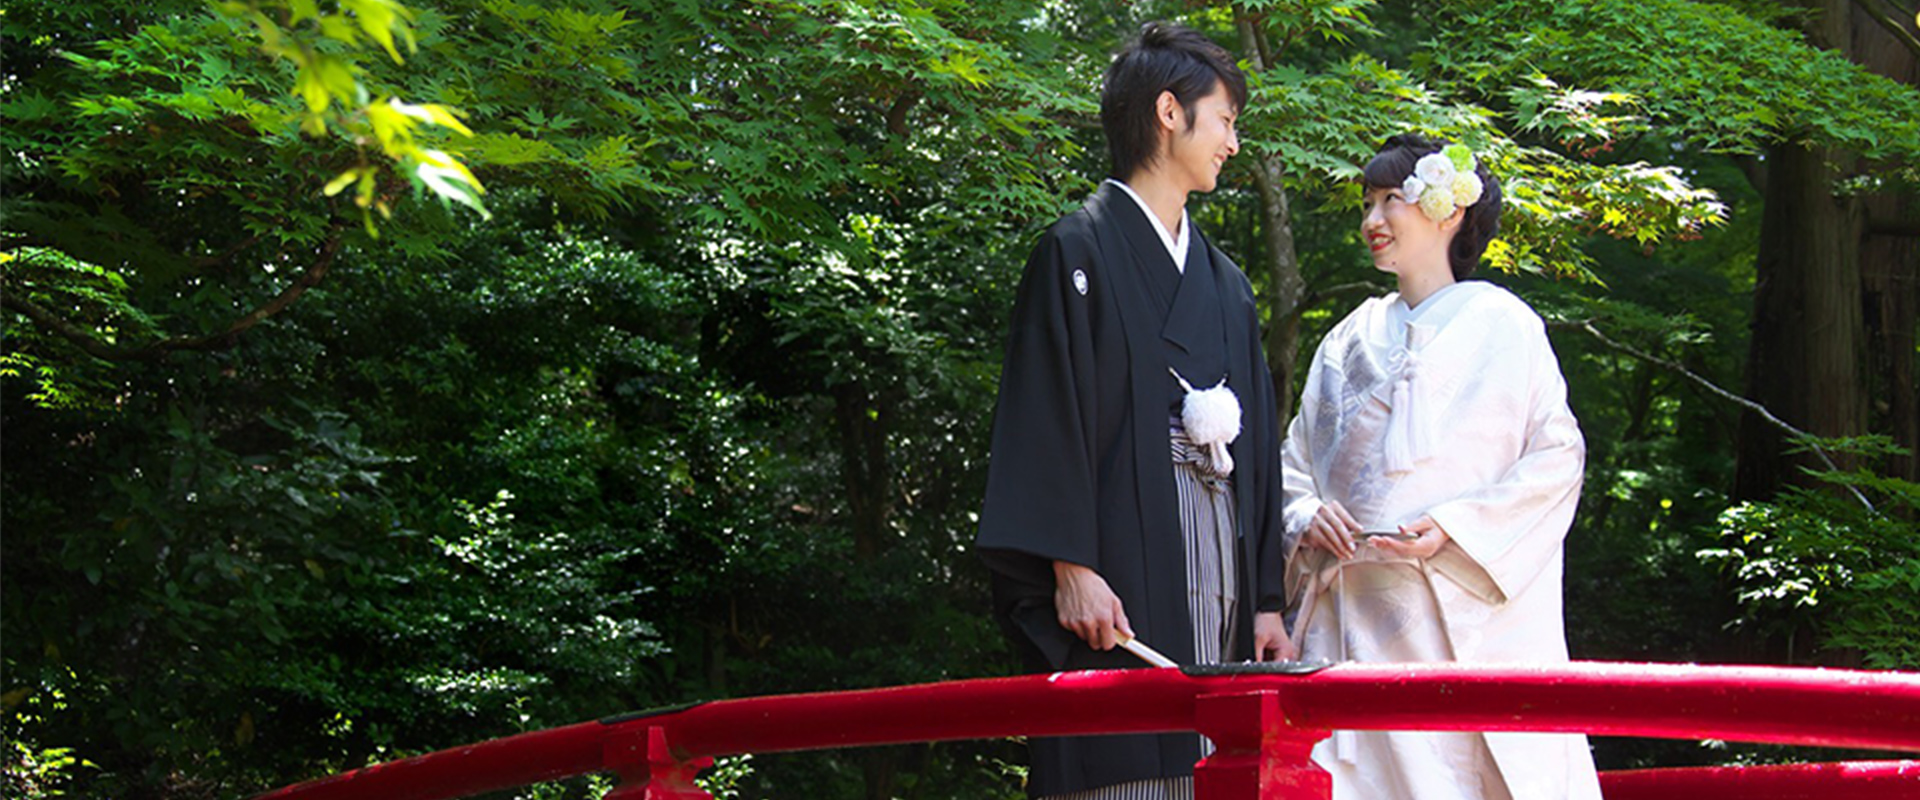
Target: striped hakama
1208,526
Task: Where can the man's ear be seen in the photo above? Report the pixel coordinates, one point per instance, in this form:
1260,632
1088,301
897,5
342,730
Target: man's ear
1167,110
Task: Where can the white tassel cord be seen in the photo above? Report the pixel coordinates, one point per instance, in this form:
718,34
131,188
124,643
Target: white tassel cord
1409,436
1400,434
1212,419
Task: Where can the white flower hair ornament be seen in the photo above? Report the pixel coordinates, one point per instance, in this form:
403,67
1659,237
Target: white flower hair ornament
1444,181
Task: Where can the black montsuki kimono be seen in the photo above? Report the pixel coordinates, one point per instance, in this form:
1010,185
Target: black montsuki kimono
1081,469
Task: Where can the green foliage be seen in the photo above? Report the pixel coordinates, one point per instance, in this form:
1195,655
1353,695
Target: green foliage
1703,72
51,393
723,780
27,770
321,44
92,293
638,350
702,409
1322,20
51,277
32,773
1820,560
1322,117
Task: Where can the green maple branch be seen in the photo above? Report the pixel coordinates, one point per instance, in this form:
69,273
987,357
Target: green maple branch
92,345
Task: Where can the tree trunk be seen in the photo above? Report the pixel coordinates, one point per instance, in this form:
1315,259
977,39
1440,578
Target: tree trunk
1285,287
864,470
878,768
1804,361
1890,276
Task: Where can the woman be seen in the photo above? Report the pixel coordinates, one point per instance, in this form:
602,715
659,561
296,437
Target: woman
1430,478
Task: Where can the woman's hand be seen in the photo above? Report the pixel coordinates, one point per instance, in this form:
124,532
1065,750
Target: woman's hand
1088,607
1270,642
1429,537
1332,530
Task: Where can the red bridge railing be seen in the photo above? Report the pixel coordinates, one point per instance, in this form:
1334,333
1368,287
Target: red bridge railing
1263,721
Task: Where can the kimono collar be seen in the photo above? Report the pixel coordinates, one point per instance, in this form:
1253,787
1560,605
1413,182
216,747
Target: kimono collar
1396,327
1406,333
1194,320
1177,246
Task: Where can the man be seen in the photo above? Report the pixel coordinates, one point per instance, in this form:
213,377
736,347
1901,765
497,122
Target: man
1134,488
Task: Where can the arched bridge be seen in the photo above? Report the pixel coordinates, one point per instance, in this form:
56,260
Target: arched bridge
1263,719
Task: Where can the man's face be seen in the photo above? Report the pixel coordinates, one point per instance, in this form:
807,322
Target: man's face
1195,153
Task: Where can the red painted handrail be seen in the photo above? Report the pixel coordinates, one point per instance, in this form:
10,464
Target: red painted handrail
1835,708
1853,780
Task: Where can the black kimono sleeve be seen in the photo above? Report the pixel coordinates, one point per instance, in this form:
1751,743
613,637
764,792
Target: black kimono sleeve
1268,517
1041,492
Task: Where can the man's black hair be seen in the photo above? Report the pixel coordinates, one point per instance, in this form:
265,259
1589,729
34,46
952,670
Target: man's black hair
1481,222
1165,58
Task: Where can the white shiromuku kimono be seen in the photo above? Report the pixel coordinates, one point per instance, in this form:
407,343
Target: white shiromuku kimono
1455,409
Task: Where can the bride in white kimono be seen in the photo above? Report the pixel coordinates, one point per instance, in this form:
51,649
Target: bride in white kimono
1431,476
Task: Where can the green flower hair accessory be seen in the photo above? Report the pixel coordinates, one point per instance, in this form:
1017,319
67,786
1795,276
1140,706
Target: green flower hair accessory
1444,181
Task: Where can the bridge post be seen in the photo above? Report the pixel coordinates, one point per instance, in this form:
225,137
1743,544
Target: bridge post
1257,752
648,768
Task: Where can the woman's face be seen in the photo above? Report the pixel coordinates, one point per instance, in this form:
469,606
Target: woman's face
1400,236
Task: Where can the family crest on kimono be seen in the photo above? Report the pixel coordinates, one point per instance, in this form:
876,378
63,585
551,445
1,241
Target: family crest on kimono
1134,488
1431,476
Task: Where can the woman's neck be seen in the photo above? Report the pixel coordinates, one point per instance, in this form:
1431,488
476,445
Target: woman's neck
1416,285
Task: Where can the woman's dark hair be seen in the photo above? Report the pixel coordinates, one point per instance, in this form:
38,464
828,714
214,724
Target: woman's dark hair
1390,168
1165,58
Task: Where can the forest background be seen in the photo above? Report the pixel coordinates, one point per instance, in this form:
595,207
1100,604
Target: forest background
380,378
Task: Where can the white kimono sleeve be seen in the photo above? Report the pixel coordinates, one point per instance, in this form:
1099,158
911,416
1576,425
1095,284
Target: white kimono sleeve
1296,460
1513,528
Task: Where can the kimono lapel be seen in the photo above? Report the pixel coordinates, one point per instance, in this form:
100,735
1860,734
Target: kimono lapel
1185,302
1437,338
1424,358
1251,463
1194,322
1118,224
1232,329
1149,253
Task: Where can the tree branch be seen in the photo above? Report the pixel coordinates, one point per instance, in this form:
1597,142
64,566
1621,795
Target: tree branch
67,330
1587,327
226,255
91,345
897,115
1314,297
1254,39
1894,29
17,241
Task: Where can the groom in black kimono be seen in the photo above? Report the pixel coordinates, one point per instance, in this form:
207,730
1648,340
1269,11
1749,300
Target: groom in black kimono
1088,533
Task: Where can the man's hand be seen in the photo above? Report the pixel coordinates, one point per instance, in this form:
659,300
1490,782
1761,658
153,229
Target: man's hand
1270,642
1332,530
1088,607
1429,538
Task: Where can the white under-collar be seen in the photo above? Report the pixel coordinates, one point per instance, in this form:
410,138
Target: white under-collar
1176,246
